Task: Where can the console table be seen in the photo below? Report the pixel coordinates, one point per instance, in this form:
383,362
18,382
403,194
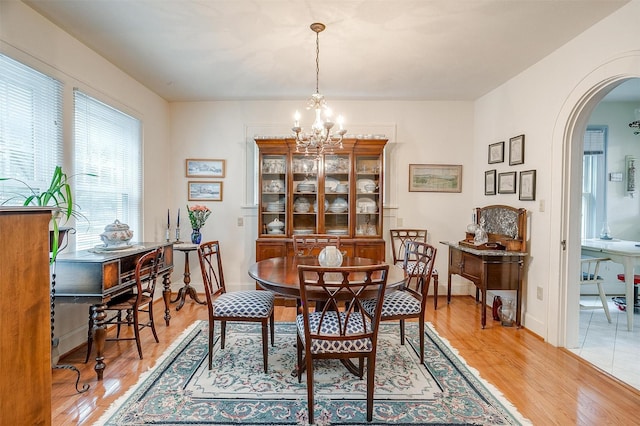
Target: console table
488,270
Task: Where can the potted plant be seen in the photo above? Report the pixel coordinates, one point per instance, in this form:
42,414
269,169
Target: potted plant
57,195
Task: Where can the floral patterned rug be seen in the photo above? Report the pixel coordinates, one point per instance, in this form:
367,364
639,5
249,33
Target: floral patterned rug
181,390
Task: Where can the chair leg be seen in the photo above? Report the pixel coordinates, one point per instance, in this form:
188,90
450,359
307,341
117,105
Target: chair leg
435,290
273,332
421,329
605,305
310,402
211,330
371,374
299,357
92,310
402,332
152,323
223,333
136,332
265,345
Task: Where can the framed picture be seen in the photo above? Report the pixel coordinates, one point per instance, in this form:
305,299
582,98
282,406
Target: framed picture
528,185
205,168
516,150
204,191
507,183
496,152
435,178
490,182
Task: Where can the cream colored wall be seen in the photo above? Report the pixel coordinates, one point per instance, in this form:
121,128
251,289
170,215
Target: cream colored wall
544,103
419,132
31,39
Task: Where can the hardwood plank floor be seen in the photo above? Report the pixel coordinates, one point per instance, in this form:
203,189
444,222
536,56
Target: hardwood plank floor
548,385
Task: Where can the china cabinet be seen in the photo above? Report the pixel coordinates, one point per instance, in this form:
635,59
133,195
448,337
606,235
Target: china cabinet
338,193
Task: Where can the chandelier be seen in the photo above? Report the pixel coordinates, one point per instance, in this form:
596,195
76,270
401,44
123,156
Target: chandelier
636,124
321,138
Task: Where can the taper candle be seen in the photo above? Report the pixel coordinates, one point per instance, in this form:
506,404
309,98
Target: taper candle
178,217
168,220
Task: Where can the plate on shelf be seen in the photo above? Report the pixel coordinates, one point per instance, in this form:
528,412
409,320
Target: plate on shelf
361,183
330,184
303,231
337,231
366,205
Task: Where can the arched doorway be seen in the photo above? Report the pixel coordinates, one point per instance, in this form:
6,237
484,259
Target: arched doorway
568,142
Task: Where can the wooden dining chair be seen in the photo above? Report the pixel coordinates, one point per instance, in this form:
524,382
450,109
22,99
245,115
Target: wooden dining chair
132,304
411,301
223,306
590,274
340,333
399,237
312,244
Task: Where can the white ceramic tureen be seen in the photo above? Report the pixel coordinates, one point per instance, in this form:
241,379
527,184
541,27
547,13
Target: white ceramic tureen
116,234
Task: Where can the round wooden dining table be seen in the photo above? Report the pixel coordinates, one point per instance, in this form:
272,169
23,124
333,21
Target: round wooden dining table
280,274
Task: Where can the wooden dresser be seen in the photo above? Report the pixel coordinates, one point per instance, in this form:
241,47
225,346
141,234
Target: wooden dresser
498,264
25,324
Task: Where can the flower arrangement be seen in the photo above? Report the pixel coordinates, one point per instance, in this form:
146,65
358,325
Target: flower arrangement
198,215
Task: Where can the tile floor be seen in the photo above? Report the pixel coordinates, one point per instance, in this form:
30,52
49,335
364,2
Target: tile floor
610,346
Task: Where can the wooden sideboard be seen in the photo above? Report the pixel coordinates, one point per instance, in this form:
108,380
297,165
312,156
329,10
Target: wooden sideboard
497,264
25,324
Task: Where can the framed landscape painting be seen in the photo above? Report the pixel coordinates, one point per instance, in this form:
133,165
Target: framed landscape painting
204,191
490,182
205,168
496,152
435,178
507,183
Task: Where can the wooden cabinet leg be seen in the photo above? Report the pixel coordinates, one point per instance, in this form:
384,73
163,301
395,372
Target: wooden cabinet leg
99,337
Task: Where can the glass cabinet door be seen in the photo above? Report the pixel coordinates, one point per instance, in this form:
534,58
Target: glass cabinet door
368,201
305,194
336,191
273,179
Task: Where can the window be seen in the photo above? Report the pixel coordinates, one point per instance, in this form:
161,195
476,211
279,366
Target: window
107,144
594,197
30,129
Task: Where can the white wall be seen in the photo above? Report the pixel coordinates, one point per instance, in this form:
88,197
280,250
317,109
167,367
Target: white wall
422,132
29,38
541,103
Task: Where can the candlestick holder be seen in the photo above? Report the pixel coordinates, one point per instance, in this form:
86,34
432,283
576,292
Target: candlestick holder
178,235
167,235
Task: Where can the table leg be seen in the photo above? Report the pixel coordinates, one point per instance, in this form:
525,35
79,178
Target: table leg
186,290
484,306
166,295
628,280
435,290
99,337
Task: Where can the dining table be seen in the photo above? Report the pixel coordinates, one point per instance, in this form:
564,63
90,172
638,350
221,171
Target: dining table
280,274
624,252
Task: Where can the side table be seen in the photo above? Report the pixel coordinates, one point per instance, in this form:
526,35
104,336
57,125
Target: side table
187,289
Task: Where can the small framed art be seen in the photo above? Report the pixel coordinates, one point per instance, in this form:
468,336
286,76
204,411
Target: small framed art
205,168
204,191
435,178
507,183
516,150
496,152
528,185
490,182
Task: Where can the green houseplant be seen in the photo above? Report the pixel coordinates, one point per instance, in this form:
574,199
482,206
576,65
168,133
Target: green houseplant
57,195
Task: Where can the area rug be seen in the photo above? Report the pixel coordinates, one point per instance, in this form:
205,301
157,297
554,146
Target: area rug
181,390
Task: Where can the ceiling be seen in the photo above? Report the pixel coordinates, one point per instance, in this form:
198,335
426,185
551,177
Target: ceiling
198,50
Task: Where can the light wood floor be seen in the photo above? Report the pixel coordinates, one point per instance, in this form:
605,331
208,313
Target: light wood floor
549,386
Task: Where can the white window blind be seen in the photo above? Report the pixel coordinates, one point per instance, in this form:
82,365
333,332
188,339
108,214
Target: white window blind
30,129
594,208
108,144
